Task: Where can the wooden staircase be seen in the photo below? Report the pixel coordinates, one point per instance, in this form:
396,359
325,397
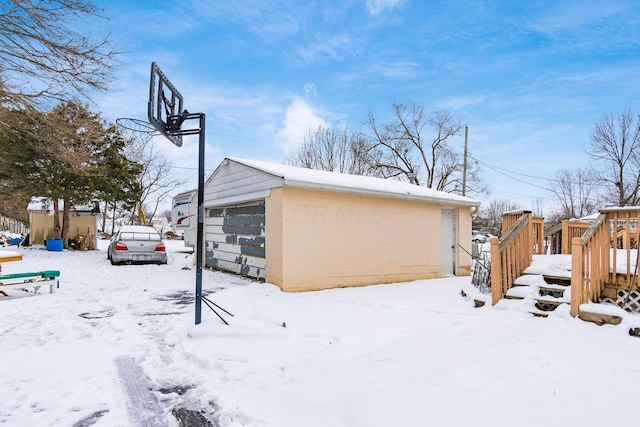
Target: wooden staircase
545,293
603,284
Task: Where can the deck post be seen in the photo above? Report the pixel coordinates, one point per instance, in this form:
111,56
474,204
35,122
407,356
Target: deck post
496,273
577,275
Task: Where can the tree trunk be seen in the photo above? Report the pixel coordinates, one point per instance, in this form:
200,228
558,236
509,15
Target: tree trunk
65,223
113,219
56,218
104,216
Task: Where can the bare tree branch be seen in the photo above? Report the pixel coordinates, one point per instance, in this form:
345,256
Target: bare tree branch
337,151
416,146
615,145
45,59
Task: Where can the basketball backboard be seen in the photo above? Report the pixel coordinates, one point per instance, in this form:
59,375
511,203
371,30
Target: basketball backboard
165,108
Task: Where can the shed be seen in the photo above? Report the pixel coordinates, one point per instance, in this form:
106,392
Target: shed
82,221
303,229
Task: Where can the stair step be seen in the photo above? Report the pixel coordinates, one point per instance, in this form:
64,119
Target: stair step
520,292
554,291
553,286
548,304
539,313
557,280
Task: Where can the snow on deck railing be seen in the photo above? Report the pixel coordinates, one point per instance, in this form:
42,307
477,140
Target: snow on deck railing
605,257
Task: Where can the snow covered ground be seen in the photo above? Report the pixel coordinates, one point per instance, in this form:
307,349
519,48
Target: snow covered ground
411,354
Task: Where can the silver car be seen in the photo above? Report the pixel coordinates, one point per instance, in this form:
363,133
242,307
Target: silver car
136,244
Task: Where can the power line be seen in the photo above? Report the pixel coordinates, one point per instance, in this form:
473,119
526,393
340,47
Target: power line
495,167
502,172
508,172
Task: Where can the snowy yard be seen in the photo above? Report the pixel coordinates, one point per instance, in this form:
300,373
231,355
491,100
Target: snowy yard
412,354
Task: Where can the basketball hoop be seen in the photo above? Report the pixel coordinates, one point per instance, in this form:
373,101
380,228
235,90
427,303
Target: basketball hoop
166,114
135,129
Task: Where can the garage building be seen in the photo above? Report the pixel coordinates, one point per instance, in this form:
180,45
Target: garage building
304,229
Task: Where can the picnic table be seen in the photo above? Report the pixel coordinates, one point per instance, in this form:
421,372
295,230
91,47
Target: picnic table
33,279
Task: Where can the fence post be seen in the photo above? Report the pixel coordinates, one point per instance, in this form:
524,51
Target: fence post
496,273
577,275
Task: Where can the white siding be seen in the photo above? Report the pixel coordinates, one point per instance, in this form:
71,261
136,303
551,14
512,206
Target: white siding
233,183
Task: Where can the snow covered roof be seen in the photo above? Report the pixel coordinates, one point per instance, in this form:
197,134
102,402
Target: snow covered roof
187,193
334,181
44,204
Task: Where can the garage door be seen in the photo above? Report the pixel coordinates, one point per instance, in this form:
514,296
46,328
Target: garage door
235,239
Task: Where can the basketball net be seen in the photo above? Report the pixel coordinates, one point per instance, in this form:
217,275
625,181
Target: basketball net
136,130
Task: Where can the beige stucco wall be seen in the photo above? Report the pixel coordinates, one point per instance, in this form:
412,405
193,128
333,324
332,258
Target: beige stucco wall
321,239
41,224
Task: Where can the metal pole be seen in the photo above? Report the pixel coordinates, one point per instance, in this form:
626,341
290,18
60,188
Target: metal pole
200,225
464,164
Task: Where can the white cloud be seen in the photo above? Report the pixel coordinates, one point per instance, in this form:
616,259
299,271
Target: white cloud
375,7
333,48
300,118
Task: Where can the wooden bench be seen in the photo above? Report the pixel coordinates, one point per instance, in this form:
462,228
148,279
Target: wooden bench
30,280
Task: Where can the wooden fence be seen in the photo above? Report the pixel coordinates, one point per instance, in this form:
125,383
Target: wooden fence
602,257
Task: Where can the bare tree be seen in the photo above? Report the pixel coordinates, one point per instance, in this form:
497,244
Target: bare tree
615,145
336,151
489,217
167,214
575,192
156,180
45,57
415,146
537,207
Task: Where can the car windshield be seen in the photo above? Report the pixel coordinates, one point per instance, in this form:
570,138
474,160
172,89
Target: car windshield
138,235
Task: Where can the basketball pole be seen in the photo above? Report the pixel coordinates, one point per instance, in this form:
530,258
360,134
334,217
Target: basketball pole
200,224
201,211
185,116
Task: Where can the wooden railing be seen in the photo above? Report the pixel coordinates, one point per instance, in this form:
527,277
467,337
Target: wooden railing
602,257
571,229
538,235
513,252
537,224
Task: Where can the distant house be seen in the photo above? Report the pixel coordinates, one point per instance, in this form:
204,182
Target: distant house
304,229
82,221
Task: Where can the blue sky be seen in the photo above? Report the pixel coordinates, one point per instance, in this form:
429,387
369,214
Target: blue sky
529,79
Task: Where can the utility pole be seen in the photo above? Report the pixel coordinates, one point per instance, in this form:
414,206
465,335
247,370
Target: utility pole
464,164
